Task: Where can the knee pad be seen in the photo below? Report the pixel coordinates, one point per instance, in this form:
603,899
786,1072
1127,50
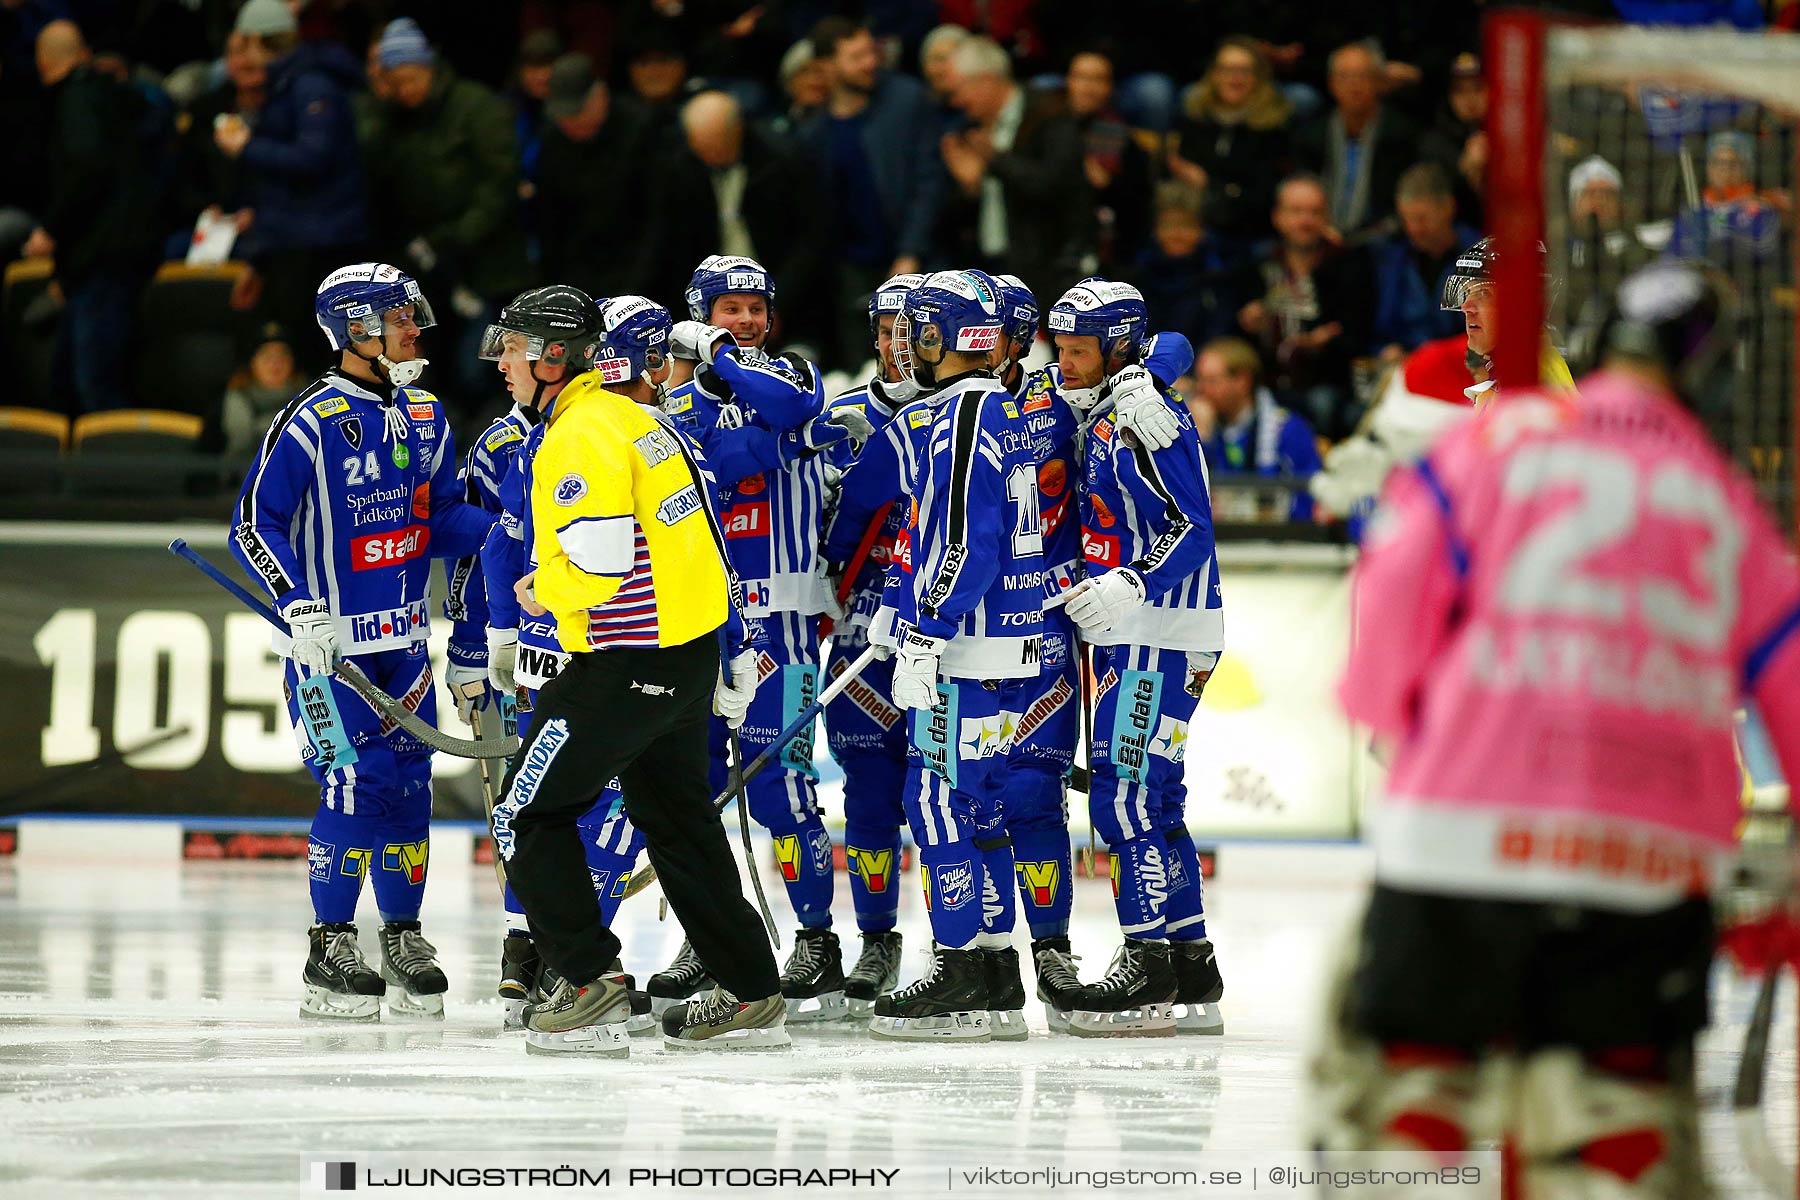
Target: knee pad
1583,1130
995,841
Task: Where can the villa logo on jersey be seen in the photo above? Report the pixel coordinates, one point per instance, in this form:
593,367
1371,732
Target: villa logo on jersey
875,866
376,550
319,858
746,520
955,884
421,502
1098,549
1171,739
1039,880
1134,719
1056,645
370,627
787,856
820,845
406,858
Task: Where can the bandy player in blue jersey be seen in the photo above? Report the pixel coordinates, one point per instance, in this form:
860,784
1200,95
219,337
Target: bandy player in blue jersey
967,592
1152,611
352,494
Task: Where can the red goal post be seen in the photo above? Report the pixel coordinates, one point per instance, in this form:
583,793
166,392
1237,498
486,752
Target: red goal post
1665,110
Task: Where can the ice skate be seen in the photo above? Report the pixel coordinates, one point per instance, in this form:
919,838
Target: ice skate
582,1020
877,972
642,1021
409,962
720,1021
1058,983
1135,999
684,977
520,968
813,982
949,1004
1006,995
340,984
1198,988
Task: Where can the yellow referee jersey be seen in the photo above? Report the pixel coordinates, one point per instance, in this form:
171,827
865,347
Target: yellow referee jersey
628,549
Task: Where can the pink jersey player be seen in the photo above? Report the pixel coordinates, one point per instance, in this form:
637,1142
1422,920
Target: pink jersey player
1557,612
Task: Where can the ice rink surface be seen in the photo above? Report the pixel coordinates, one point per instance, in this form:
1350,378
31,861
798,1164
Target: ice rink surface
150,1044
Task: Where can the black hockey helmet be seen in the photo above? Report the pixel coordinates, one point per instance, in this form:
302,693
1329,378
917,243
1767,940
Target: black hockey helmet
560,324
1476,265
1681,316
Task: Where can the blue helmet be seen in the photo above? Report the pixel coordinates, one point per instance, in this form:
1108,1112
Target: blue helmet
1021,309
725,275
1099,308
890,297
361,294
951,311
634,338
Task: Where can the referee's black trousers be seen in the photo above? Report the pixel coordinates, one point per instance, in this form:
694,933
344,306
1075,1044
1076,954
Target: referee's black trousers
640,715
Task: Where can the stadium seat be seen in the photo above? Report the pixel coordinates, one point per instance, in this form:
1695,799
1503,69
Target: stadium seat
25,352
134,451
189,338
33,440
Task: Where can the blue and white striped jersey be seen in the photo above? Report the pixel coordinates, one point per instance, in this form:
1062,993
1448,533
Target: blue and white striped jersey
483,472
1152,512
351,495
746,413
872,505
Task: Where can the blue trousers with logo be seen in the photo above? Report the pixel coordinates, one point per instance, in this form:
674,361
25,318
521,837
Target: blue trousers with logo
1037,812
867,735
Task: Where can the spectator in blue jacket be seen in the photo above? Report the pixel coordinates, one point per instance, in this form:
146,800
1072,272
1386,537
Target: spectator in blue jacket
304,174
1250,434
876,140
1410,266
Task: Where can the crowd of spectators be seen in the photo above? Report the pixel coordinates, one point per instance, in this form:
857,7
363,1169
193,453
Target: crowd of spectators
1287,183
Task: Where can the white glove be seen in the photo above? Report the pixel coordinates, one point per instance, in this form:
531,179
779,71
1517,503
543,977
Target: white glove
916,671
315,637
1140,409
697,341
468,686
1100,603
1354,470
503,659
731,698
854,423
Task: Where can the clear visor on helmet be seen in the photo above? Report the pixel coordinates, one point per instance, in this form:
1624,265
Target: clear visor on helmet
372,324
1457,287
500,342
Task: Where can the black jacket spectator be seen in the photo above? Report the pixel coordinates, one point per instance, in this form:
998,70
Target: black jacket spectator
305,176
589,226
1233,140
1359,179
1113,158
100,178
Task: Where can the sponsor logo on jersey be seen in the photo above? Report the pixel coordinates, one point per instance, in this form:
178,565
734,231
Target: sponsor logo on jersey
765,666
569,489
422,412
538,757
982,737
421,502
1134,721
746,520
919,418
864,695
355,862
378,550
1103,513
753,485
1098,549
1171,739
415,696
1041,710
875,866
1056,646
502,436
1114,874
902,552
331,407
1009,408
1037,399
820,845
369,627
787,856
746,281
1040,880
680,506
1053,477
1061,322
406,858
657,446
351,428
537,663
427,433
955,884
1103,429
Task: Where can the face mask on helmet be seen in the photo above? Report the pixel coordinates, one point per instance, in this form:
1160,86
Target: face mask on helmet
370,326
911,353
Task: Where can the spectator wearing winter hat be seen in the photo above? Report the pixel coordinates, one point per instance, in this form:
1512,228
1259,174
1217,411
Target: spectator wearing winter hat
1603,247
1733,225
444,160
262,388
304,178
